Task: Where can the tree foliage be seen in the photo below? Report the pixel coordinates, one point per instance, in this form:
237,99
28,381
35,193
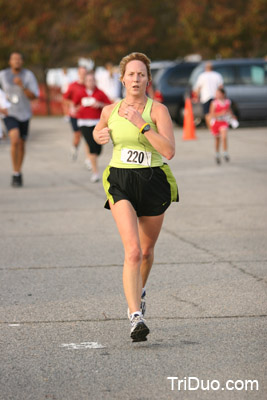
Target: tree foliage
52,34
225,28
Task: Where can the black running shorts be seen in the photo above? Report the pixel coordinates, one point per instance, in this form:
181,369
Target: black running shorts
87,132
149,190
206,106
22,126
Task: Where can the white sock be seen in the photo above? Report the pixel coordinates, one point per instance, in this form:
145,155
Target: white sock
143,291
217,154
16,173
225,153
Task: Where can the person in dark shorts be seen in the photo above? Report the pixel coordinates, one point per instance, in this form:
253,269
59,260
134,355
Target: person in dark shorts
91,102
71,98
20,87
139,186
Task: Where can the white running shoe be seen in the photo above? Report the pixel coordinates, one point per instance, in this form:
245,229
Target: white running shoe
139,330
88,164
95,178
74,153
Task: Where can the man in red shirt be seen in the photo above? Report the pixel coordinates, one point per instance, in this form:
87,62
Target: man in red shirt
91,101
71,98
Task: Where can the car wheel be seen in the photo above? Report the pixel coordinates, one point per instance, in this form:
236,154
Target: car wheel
180,118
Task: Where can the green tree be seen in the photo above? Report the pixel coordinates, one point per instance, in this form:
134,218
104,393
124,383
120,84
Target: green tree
225,28
45,34
115,28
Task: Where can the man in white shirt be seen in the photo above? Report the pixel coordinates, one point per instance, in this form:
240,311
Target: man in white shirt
207,84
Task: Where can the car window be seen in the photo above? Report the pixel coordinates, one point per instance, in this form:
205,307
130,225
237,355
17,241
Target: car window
154,72
195,74
180,76
227,72
252,74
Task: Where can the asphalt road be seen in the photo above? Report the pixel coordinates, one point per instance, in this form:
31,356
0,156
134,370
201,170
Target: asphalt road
64,330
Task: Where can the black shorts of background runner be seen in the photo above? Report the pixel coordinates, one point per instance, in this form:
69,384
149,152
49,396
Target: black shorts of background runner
149,190
22,126
87,132
206,106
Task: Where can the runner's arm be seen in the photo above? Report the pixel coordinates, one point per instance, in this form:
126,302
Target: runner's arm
163,140
101,132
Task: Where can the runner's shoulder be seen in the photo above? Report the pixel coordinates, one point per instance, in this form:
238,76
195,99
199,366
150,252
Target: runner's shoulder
107,110
159,107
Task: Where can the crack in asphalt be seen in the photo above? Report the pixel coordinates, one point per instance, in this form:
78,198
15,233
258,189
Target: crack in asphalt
257,278
218,259
107,319
155,264
191,303
194,245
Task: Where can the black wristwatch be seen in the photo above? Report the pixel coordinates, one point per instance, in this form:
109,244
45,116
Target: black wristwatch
145,128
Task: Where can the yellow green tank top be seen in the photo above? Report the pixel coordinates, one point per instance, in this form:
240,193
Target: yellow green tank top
131,149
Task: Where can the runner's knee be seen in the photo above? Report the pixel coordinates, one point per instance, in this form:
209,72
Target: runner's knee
133,255
147,253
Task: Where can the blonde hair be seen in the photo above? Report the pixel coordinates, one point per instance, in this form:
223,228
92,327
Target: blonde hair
135,56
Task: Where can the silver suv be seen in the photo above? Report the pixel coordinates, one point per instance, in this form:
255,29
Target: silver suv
245,82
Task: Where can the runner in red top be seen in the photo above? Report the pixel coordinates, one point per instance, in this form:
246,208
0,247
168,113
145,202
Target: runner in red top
72,98
91,101
221,114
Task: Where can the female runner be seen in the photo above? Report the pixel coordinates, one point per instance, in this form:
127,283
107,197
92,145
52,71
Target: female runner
138,185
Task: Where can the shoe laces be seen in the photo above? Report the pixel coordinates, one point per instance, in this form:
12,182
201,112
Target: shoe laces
136,319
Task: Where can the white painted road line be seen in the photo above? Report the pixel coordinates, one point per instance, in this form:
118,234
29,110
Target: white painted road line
83,345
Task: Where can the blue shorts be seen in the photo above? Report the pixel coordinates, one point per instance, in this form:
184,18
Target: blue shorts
206,106
14,123
74,124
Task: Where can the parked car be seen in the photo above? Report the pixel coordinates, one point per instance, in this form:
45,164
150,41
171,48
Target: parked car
160,65
170,84
245,82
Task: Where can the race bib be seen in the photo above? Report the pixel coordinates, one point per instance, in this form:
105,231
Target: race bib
137,157
88,101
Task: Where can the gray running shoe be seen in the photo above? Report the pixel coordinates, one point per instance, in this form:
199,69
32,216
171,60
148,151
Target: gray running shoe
88,164
17,181
95,178
139,330
218,160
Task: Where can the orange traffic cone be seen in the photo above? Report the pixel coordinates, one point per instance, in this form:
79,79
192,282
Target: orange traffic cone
189,126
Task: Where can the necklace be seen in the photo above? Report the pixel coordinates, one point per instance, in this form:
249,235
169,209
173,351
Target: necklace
139,105
132,103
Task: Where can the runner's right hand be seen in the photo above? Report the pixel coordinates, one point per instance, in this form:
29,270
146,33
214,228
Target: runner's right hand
103,136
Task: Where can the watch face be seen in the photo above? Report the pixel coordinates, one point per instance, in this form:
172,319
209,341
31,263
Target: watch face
146,128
